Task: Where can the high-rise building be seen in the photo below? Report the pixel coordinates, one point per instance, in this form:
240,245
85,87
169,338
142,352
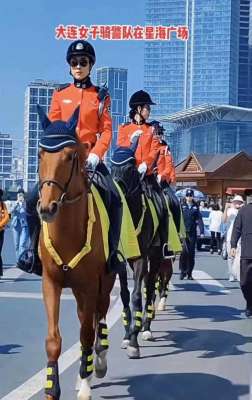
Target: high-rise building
116,80
204,69
37,92
6,154
245,54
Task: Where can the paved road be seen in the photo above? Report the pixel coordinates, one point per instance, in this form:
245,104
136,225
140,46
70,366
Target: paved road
202,347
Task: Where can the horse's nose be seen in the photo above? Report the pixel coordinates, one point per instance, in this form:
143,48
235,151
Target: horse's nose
53,207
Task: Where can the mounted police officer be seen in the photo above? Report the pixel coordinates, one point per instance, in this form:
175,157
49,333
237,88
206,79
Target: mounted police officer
146,154
192,217
94,128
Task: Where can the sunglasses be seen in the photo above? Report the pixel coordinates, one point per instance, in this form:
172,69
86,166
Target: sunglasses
82,62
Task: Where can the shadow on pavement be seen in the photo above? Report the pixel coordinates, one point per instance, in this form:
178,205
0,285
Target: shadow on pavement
212,312
181,386
211,342
7,348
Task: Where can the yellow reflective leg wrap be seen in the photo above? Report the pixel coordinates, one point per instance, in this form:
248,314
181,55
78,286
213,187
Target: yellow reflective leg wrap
138,319
52,387
86,366
103,335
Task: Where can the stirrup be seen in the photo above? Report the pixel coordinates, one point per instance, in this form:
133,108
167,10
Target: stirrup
29,262
167,254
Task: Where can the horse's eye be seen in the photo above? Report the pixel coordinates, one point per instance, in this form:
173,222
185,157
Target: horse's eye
70,157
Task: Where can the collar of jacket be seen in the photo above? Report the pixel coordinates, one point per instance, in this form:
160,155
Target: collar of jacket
83,84
139,123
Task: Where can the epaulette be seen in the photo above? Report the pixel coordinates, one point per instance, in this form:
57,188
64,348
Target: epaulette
102,92
62,86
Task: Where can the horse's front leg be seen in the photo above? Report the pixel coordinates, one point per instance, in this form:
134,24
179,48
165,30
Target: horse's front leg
88,305
51,295
151,279
166,271
126,314
140,269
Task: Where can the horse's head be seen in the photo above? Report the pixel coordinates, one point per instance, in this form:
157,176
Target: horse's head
61,163
124,169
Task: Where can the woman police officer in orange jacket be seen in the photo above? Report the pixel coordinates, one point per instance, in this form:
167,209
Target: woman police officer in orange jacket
147,150
95,128
165,166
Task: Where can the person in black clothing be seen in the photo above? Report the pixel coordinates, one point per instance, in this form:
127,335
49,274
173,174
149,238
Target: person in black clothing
192,217
243,229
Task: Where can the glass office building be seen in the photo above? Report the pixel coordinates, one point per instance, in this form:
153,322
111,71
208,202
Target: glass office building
37,92
6,155
210,129
245,54
116,80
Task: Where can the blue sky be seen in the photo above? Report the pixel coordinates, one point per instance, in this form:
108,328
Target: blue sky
29,50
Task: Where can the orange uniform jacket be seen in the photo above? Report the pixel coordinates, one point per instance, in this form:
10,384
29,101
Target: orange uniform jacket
66,100
148,144
165,165
4,216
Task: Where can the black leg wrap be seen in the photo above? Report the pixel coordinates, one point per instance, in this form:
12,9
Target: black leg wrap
103,336
87,364
52,387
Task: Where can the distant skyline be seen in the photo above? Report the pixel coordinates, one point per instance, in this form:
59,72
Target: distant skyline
29,50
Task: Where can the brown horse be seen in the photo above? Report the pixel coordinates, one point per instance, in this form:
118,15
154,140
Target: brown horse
70,220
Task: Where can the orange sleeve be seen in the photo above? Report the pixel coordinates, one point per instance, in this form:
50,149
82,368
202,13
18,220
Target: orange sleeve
105,130
152,155
121,136
55,109
168,173
5,219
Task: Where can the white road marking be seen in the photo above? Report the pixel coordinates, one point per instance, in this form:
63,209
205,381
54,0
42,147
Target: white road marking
208,282
37,296
36,383
11,274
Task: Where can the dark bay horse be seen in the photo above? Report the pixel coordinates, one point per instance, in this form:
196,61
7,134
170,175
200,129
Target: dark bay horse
147,265
70,252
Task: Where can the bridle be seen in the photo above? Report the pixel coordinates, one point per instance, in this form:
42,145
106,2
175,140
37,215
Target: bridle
63,188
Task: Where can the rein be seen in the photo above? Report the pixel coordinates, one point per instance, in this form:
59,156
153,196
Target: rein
64,188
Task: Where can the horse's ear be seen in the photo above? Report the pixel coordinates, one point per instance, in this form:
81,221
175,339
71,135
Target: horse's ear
134,144
44,120
73,120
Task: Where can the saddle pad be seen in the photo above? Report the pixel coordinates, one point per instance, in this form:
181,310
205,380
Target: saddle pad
154,215
173,237
128,244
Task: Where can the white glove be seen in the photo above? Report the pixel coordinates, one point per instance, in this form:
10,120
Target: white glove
135,134
159,178
92,160
142,168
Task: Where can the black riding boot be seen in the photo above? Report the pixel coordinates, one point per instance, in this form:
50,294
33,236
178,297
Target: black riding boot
114,208
29,260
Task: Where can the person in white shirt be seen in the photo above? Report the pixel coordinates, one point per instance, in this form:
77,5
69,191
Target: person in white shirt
215,222
230,213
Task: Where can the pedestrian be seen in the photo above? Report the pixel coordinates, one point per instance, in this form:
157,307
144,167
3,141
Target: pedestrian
215,227
230,213
242,230
192,218
4,219
203,206
19,225
95,130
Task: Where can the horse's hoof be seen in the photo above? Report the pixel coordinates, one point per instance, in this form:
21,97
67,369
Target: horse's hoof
133,352
78,382
161,304
85,391
125,343
101,364
147,335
